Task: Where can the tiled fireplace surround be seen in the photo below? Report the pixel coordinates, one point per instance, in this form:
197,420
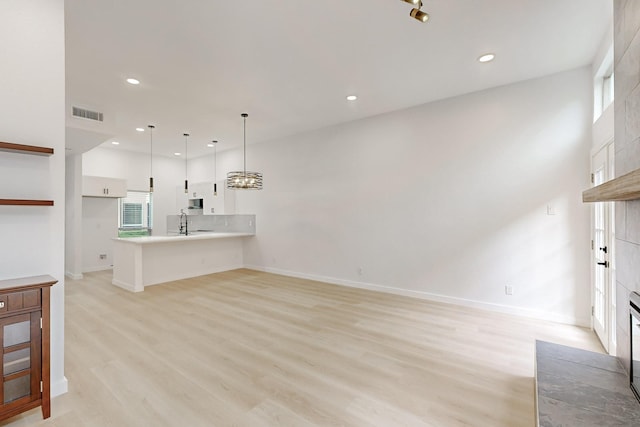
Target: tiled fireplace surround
627,158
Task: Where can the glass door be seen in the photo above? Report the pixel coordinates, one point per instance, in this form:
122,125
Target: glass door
603,261
20,353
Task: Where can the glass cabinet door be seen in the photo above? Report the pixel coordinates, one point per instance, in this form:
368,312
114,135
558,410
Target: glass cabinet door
19,354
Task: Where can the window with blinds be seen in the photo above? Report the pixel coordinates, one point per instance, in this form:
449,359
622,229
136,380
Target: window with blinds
132,214
135,212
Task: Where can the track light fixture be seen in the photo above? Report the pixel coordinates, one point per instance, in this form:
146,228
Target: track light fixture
419,15
416,13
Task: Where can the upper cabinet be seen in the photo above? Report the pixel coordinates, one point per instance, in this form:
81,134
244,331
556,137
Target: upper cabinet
98,186
224,202
9,147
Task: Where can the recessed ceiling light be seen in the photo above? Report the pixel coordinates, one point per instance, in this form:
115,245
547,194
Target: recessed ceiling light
140,129
115,142
351,97
487,57
177,154
133,81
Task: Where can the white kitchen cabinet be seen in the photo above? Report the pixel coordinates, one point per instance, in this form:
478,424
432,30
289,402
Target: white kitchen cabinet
98,186
222,203
200,190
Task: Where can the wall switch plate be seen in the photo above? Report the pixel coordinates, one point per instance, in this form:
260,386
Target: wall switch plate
508,290
551,210
103,256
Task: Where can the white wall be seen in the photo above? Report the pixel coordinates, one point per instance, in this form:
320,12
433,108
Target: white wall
447,200
32,106
99,227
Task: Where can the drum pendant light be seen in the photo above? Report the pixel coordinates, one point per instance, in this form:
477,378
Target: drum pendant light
244,179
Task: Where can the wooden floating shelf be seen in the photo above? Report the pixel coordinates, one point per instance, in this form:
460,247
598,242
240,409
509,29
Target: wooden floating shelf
26,149
620,189
21,202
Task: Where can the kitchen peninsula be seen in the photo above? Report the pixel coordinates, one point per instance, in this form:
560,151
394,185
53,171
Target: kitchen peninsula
150,260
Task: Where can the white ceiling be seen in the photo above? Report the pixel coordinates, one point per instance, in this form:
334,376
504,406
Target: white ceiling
291,63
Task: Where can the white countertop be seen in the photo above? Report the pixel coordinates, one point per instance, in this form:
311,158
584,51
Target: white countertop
145,240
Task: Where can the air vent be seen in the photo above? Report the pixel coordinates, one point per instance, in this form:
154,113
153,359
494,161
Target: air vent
87,114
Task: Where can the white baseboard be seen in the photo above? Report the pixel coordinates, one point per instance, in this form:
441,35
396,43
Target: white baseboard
59,387
97,268
73,276
128,286
499,308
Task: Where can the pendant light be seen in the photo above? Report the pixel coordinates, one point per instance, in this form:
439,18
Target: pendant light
151,128
186,181
215,168
244,180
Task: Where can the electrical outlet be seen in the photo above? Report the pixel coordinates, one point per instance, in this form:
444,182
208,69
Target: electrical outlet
508,290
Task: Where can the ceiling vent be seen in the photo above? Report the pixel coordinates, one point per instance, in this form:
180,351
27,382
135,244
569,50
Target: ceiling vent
87,114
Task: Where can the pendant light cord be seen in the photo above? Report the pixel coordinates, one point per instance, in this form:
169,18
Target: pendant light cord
244,144
186,172
151,127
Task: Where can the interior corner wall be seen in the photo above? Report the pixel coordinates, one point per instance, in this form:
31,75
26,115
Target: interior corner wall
32,111
626,15
452,200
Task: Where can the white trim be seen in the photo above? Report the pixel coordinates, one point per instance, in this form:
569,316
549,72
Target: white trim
126,286
516,311
73,276
59,387
98,268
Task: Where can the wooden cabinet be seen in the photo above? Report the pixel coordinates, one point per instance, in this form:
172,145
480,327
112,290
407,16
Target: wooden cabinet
97,186
30,150
25,342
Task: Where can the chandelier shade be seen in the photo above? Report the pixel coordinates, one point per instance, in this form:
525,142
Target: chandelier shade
244,179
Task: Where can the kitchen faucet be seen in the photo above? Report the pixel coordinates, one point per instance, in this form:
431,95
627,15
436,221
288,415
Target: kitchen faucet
184,229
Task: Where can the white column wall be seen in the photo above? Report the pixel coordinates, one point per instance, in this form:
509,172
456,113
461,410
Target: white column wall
73,217
32,104
627,134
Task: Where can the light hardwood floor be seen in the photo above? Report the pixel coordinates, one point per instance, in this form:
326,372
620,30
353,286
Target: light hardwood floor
246,348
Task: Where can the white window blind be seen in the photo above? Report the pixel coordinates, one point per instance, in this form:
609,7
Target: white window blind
135,210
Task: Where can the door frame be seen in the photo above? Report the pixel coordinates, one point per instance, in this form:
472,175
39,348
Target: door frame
608,341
